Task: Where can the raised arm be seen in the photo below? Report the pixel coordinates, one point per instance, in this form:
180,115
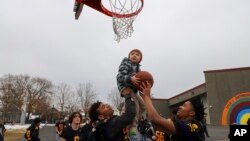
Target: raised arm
166,124
120,122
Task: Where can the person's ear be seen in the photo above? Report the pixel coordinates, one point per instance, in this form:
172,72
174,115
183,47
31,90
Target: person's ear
192,113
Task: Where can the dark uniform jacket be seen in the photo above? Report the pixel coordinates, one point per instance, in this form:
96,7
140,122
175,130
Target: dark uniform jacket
188,130
32,133
112,129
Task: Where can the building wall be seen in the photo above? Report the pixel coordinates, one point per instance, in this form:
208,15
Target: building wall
223,85
194,92
162,106
220,87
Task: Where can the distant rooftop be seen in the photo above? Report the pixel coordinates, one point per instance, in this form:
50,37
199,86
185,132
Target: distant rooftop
165,99
226,70
190,90
203,84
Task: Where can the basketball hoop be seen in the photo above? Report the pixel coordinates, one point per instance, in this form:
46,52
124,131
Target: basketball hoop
123,13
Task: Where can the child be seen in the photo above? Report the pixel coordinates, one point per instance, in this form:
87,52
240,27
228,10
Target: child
126,78
127,69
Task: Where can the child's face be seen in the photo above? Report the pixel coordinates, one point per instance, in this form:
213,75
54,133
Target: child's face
135,57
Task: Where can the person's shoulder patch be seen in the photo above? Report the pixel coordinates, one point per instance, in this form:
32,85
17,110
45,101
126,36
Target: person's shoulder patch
193,127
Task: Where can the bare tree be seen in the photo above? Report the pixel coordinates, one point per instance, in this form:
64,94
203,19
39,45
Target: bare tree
87,95
11,92
37,89
63,95
72,103
116,99
15,88
43,106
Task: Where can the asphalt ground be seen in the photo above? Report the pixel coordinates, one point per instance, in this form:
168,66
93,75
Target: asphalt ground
217,133
46,134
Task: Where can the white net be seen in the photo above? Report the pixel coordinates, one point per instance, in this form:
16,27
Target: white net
124,14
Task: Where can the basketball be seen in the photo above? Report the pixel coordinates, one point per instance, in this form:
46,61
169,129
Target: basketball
144,76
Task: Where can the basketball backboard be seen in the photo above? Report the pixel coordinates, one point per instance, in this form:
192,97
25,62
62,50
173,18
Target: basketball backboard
123,13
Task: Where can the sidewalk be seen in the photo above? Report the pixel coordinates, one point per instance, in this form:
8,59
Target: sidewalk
218,133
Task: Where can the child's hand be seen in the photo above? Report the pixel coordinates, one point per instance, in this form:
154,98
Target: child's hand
135,80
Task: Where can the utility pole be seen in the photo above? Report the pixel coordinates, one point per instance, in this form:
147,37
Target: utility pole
24,108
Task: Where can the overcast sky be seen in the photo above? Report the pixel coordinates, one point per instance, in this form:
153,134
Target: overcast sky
179,40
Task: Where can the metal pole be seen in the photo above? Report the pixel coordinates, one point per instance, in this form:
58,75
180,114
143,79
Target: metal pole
24,107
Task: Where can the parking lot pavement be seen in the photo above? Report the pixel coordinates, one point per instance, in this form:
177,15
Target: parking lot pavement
46,134
217,133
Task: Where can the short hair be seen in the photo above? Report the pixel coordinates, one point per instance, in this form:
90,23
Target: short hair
175,110
198,109
37,120
73,115
93,113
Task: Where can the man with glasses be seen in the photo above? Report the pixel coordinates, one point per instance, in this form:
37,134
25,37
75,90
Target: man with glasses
72,132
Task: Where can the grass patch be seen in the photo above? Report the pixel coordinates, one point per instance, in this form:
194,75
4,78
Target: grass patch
13,135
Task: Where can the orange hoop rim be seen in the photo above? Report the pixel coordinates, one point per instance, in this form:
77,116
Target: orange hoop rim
116,15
